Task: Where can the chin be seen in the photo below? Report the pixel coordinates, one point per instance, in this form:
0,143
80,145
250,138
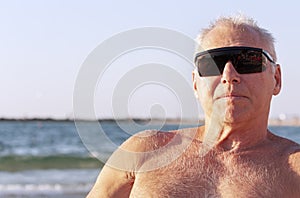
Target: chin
236,117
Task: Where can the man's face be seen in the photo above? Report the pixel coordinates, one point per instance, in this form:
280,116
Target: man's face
231,96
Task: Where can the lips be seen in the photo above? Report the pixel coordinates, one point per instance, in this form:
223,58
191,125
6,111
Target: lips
231,96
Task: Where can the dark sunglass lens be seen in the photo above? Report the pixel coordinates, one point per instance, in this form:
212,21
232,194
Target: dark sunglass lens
207,66
246,60
249,62
221,60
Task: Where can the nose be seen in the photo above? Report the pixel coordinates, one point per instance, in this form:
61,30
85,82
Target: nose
230,75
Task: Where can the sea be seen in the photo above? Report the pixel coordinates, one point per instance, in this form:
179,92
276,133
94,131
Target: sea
48,158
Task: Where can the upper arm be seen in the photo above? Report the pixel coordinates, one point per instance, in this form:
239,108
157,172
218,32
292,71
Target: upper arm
117,176
112,182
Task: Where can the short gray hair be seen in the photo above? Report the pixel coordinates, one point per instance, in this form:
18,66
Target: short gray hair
240,20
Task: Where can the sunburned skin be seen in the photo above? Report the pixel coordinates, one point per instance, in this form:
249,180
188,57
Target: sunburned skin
262,171
268,169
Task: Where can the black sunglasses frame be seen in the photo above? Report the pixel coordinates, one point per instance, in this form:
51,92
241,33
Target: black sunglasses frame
233,49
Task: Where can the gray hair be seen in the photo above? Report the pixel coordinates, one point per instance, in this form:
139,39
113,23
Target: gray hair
240,20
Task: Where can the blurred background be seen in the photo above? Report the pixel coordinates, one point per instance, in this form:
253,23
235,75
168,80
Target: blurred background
43,45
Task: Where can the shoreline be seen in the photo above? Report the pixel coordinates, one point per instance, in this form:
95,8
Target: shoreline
272,122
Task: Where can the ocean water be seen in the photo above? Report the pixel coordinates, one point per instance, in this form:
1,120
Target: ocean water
49,159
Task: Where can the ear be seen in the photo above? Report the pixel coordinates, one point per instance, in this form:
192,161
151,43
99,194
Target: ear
277,77
194,75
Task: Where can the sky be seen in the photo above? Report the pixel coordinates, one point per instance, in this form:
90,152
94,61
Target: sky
43,45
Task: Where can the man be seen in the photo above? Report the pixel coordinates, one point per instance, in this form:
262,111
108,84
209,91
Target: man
234,154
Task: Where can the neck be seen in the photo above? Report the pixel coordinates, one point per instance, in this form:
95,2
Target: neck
235,136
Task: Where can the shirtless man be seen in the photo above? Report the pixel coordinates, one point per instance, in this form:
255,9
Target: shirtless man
233,154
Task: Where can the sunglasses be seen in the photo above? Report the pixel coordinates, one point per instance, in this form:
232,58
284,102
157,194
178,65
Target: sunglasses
245,60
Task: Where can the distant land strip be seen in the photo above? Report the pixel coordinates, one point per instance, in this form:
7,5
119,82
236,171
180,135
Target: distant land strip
295,121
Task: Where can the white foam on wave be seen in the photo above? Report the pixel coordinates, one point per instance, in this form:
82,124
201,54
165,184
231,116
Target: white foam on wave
47,182
43,188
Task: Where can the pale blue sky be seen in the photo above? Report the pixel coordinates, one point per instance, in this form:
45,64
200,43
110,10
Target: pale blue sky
44,43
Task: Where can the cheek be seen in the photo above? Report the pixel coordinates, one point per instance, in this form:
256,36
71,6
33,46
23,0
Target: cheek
270,80
206,90
261,90
206,87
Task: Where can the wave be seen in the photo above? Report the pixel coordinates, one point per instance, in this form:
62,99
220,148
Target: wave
20,163
53,183
44,188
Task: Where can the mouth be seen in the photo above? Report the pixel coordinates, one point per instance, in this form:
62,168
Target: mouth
231,96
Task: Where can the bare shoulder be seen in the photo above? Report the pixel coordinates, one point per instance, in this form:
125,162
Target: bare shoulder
133,153
289,149
294,159
147,140
118,175
153,139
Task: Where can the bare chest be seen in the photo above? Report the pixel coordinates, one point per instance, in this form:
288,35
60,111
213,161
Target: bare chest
214,177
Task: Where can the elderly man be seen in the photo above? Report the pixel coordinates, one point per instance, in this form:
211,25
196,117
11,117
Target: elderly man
233,154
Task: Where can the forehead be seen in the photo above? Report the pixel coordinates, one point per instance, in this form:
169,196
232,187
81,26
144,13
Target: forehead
224,36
